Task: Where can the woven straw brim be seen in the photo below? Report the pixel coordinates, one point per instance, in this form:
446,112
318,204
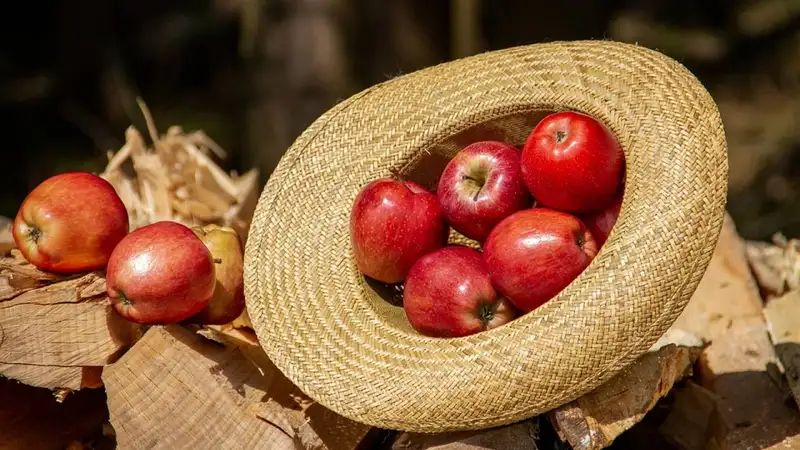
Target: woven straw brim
343,344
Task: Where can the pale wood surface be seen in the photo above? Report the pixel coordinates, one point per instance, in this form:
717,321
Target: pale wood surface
739,364
52,327
177,389
783,317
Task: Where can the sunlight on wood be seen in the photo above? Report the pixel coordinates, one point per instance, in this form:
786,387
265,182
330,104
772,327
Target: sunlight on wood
178,179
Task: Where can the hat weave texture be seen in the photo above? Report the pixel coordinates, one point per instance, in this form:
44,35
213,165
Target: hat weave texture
335,335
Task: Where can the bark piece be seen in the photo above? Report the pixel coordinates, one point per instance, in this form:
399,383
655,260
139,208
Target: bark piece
520,436
595,420
56,331
32,418
783,319
726,310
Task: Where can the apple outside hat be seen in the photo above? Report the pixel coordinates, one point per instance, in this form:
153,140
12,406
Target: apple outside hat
334,334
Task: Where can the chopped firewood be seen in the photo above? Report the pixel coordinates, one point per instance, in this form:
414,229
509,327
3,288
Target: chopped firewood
315,427
776,266
520,436
693,422
32,419
57,331
177,179
175,389
726,310
596,419
224,397
783,322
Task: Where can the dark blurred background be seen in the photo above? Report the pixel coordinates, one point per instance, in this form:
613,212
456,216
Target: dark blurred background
254,73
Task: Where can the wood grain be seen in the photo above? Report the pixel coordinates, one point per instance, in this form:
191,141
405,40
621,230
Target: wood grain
52,327
739,365
177,389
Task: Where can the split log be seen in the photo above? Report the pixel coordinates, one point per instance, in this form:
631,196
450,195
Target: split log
783,317
177,389
739,364
57,331
33,419
596,419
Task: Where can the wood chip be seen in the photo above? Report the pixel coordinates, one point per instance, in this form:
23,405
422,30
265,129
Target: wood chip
783,320
52,327
726,311
177,179
595,420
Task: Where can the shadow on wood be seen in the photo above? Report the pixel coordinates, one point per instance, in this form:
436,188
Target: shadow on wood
32,418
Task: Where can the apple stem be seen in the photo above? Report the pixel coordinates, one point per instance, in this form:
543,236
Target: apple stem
217,260
479,182
486,313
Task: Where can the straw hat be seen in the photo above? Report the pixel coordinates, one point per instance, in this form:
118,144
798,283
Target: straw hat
339,339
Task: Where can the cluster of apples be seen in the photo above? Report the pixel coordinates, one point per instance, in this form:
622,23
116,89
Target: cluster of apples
161,273
540,216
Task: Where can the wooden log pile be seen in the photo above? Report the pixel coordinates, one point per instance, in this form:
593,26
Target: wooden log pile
76,375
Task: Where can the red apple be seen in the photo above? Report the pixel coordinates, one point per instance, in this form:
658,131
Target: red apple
392,224
481,186
227,303
159,274
448,293
601,222
532,255
572,163
70,223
